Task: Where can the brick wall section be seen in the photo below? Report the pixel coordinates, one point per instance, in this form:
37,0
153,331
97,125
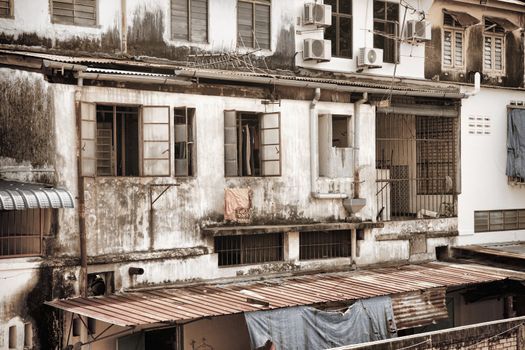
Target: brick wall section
499,335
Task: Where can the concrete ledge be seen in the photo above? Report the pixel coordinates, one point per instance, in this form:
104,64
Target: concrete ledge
259,229
411,235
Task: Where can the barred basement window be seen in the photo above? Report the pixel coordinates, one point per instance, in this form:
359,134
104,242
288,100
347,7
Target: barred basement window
499,220
249,249
340,32
386,29
324,245
6,8
78,12
189,20
253,23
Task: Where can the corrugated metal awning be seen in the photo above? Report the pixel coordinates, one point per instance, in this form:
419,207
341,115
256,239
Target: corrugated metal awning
503,22
170,305
463,18
20,195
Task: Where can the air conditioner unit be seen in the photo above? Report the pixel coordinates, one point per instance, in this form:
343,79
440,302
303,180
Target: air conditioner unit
418,31
318,14
370,58
317,49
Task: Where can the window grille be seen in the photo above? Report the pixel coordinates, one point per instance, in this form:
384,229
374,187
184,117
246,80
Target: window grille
499,220
324,245
249,249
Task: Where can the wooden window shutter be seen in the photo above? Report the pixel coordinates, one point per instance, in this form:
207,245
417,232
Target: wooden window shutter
245,24
230,143
199,21
181,136
156,145
88,129
270,144
262,26
179,19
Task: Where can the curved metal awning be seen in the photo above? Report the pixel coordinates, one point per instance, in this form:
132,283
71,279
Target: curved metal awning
20,196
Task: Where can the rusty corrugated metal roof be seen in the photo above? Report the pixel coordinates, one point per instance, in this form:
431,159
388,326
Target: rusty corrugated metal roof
414,309
188,303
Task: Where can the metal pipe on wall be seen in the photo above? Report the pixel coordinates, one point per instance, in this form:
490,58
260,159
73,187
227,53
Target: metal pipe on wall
355,142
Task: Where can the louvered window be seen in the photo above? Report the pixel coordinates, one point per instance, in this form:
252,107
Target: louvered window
78,12
499,220
189,20
6,8
453,43
493,47
253,24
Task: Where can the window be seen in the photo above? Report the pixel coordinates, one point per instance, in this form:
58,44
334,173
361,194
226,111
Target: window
91,326
499,220
189,20
453,43
101,283
76,326
253,23
22,231
341,135
386,29
125,141
184,123
28,336
249,249
340,32
252,144
324,245
12,337
78,12
6,8
493,47
436,155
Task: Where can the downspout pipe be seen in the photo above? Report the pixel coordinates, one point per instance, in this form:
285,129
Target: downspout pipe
477,86
314,152
355,141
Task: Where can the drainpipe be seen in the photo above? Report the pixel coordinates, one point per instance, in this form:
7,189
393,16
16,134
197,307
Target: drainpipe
355,145
314,152
123,27
80,188
477,86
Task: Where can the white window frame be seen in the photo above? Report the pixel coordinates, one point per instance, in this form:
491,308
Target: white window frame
453,31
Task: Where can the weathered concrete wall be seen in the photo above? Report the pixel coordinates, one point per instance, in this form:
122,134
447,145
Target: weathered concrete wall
27,137
473,43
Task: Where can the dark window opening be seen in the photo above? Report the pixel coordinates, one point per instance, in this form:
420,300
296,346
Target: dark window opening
386,29
162,339
22,231
324,245
101,283
189,20
340,32
91,326
253,23
252,144
76,326
249,249
341,131
184,123
117,141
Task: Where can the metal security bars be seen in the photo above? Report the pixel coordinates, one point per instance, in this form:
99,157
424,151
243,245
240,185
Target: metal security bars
416,161
21,231
249,249
499,220
324,245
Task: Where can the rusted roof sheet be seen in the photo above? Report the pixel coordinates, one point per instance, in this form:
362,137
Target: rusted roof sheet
20,195
188,303
414,309
357,80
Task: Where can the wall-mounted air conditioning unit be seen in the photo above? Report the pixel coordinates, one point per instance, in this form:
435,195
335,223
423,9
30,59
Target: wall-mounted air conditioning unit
418,30
318,14
317,49
370,58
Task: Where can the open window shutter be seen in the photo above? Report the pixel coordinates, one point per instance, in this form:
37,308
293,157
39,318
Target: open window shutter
88,129
230,143
156,141
270,144
181,136
325,144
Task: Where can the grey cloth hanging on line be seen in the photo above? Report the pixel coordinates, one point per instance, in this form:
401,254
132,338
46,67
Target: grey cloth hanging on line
516,143
305,327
